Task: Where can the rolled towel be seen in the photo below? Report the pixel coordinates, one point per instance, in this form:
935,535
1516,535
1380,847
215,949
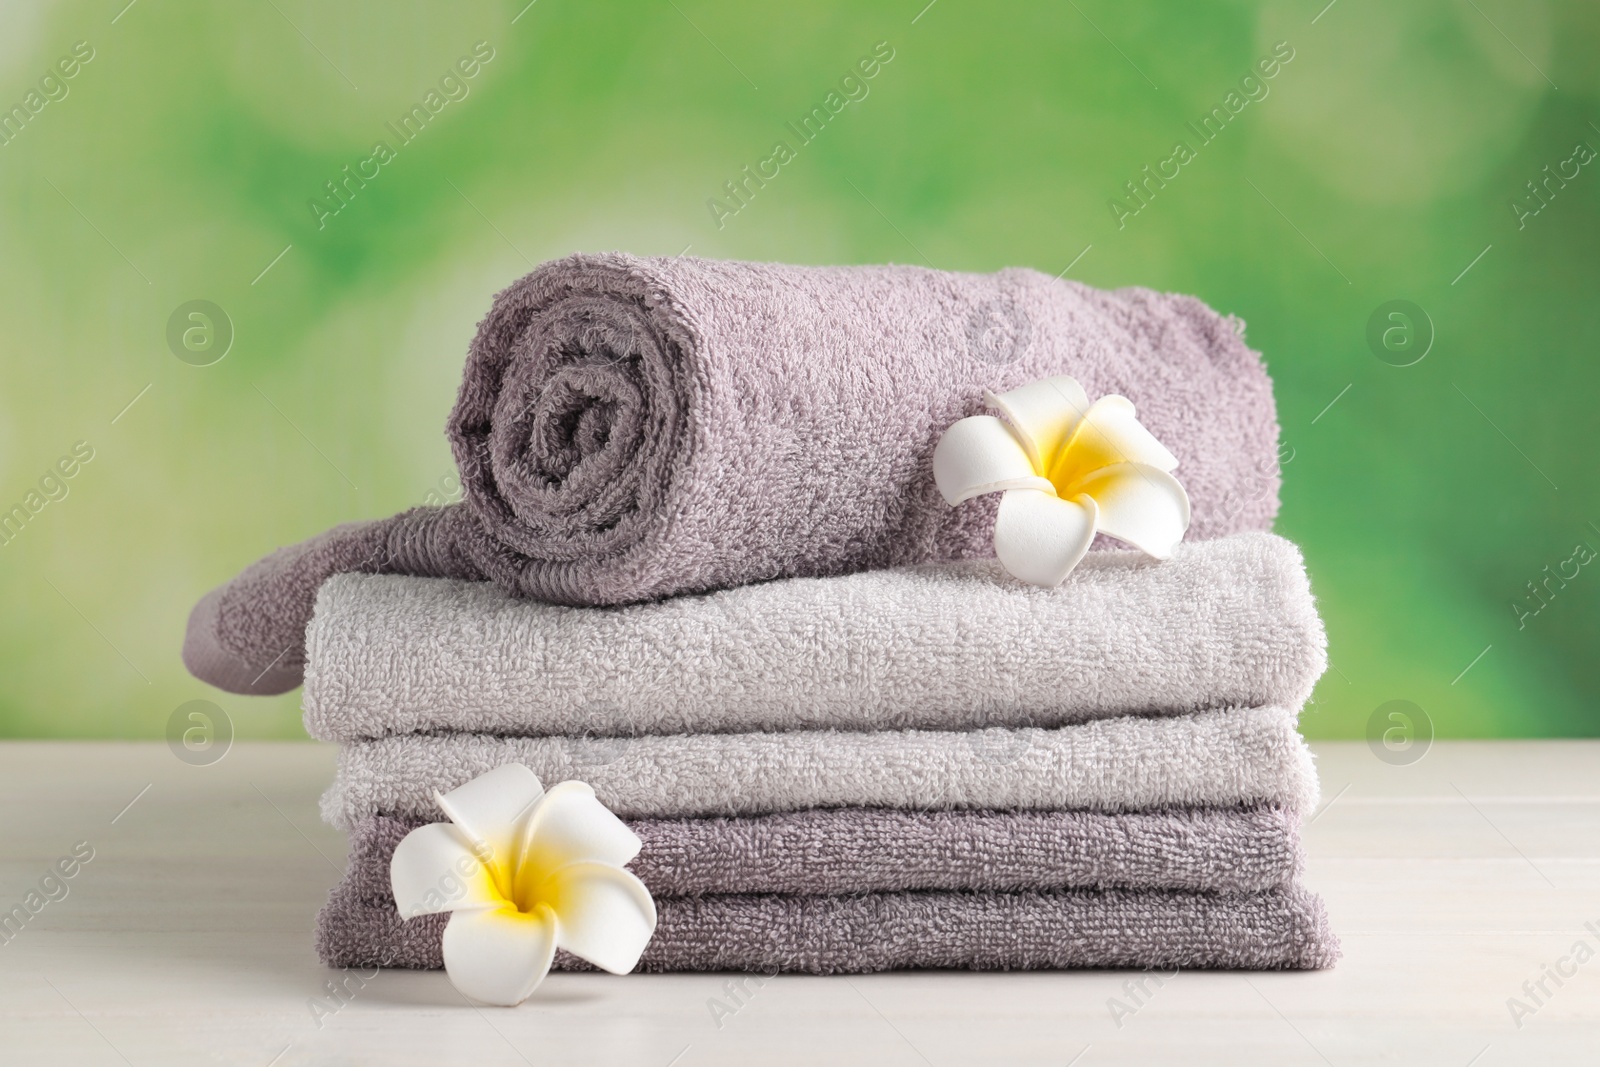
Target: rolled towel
855,850
635,428
1218,758
960,645
1278,929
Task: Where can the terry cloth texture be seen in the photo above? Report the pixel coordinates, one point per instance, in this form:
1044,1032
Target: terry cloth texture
959,645
1230,757
629,428
1284,928
855,850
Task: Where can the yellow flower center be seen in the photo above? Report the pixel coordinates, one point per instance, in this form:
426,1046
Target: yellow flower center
1087,450
523,882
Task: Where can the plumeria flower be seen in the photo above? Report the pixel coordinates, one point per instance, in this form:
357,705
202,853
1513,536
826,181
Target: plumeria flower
1068,469
524,872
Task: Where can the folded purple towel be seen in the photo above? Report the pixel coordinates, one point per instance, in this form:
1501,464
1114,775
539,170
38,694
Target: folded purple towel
854,850
635,428
939,646
1278,929
1212,759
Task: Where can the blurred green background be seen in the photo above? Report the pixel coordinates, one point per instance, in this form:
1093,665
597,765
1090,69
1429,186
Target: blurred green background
1384,162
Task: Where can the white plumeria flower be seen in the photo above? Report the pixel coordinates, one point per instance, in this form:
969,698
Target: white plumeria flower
524,872
1069,469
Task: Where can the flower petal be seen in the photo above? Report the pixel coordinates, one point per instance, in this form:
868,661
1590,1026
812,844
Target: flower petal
1044,414
569,826
1039,537
1109,434
604,914
492,809
981,455
1142,505
435,868
499,956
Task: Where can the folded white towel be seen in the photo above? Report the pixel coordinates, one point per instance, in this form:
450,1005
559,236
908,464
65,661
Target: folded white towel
1214,758
1223,623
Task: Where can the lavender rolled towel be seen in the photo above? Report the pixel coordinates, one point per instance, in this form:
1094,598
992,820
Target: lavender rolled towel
855,850
1277,929
960,645
631,428
1219,758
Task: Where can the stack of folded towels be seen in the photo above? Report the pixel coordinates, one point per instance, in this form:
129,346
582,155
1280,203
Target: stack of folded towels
702,566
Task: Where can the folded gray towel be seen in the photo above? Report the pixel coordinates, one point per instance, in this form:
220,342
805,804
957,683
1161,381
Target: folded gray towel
1277,929
1209,759
635,428
1223,623
855,850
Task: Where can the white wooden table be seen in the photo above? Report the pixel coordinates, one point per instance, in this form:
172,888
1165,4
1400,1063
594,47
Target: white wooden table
187,939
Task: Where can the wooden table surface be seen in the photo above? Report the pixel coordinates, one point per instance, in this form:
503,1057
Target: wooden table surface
186,939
